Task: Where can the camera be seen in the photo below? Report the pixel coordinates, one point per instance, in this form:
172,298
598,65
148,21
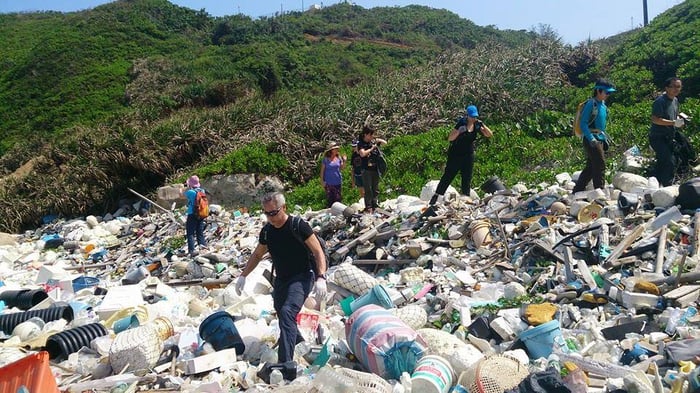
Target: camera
685,117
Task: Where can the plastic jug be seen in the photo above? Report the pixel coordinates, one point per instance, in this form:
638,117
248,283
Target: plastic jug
140,348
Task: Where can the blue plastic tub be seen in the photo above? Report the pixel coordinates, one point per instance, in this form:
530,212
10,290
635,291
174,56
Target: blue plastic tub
541,339
219,330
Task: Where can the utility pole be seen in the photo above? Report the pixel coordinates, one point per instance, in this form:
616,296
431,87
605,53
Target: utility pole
646,13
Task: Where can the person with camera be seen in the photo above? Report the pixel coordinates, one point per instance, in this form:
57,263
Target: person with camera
665,122
460,154
594,139
368,147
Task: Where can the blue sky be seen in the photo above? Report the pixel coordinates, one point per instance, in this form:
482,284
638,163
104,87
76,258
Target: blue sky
573,20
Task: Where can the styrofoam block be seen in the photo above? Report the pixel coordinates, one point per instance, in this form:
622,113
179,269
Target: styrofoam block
50,272
429,189
665,197
627,181
503,328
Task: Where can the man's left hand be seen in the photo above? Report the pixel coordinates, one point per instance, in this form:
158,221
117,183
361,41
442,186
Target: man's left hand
321,289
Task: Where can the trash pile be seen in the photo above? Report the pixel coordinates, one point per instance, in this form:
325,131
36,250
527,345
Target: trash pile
520,290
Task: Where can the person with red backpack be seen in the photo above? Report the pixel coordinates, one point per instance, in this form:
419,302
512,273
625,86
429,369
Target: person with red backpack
197,212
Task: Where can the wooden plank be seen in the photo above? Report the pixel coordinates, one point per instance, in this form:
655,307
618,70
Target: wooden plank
682,291
382,261
568,265
696,235
622,246
687,300
661,250
683,296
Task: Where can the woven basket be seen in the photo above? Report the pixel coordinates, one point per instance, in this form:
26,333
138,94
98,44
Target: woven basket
366,382
494,374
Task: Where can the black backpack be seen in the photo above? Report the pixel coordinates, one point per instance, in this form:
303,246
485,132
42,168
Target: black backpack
689,194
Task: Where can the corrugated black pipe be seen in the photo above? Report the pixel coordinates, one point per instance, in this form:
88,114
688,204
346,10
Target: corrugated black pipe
24,299
60,345
9,321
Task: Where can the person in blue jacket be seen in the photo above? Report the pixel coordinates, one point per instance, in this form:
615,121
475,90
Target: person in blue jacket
594,139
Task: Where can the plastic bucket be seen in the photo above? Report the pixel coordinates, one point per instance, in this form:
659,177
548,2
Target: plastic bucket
480,232
433,374
377,295
540,340
219,330
24,299
62,344
492,185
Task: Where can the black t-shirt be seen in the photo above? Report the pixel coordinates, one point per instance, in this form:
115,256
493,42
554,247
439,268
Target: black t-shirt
289,256
464,144
664,108
369,162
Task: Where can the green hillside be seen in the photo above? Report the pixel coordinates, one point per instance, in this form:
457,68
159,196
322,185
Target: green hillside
135,93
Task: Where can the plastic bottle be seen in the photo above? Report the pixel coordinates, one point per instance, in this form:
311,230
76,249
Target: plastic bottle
673,321
268,355
139,348
276,377
688,314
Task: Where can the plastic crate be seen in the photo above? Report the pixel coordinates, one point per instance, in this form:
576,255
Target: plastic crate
32,372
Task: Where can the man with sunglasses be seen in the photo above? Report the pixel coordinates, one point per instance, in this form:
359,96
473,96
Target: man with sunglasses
294,274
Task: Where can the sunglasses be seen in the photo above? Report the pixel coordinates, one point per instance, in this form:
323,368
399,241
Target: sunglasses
272,213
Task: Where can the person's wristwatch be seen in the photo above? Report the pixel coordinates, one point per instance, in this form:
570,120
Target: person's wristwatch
323,276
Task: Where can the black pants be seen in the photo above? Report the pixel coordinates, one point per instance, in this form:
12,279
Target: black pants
595,167
370,180
665,159
288,296
194,226
457,163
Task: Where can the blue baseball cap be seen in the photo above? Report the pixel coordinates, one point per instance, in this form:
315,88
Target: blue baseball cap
472,111
608,89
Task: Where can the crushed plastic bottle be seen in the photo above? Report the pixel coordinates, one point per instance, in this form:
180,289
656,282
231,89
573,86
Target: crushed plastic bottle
276,377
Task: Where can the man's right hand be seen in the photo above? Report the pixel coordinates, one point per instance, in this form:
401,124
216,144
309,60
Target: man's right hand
593,143
679,122
240,284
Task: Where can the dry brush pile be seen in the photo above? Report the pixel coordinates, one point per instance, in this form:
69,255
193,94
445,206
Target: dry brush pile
89,170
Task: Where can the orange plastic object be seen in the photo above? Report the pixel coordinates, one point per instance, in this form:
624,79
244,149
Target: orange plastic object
32,372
